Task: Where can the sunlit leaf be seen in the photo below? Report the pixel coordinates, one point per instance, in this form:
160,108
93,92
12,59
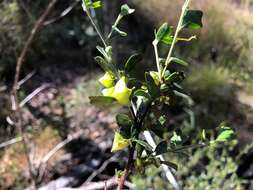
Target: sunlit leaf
225,134
96,4
164,34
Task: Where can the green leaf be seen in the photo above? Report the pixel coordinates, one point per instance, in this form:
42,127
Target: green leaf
162,119
192,19
96,4
132,61
161,148
103,52
167,37
143,144
101,100
102,63
164,88
170,164
225,134
174,77
125,124
176,139
163,33
89,4
141,104
141,92
123,120
126,10
158,130
153,89
179,61
155,76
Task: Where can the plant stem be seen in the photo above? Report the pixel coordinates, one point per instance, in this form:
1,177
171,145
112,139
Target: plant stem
179,27
115,25
95,26
157,59
127,169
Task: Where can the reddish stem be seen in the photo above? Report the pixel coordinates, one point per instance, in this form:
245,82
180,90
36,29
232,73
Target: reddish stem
127,169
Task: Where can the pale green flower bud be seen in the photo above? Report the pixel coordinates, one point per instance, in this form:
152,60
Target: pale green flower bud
107,80
119,143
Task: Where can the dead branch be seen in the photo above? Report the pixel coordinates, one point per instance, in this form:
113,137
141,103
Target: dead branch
17,115
110,184
27,77
63,14
10,142
33,94
101,169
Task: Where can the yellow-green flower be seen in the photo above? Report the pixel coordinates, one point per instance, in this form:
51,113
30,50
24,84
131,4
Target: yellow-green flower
107,80
119,142
121,93
108,91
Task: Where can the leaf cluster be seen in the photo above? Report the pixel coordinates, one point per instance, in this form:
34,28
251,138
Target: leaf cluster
146,99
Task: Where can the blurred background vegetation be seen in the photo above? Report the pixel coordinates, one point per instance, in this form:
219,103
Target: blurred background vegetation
219,81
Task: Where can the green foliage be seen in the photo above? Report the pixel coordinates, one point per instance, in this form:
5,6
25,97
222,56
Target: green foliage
225,134
193,19
204,169
146,98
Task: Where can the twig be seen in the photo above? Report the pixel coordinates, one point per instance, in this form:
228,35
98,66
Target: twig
3,88
63,14
28,43
14,94
110,184
10,142
166,169
21,82
33,94
21,2
52,152
101,169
